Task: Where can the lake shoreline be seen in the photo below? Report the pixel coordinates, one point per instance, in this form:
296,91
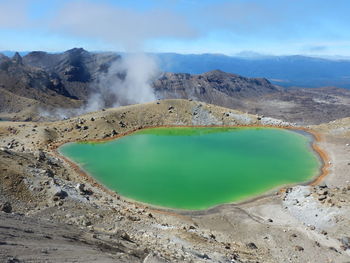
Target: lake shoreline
316,138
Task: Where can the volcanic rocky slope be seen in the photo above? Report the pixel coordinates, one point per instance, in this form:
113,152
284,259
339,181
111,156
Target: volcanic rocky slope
214,87
76,68
47,81
52,212
50,80
23,87
257,96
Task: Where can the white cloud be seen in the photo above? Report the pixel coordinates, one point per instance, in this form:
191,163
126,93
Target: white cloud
119,26
239,15
14,14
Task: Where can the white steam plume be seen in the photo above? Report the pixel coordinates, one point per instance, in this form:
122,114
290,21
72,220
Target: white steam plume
126,82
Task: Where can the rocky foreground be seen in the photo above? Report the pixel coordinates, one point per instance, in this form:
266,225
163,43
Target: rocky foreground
51,212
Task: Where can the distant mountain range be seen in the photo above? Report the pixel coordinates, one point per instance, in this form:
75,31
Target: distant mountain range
41,82
69,78
286,71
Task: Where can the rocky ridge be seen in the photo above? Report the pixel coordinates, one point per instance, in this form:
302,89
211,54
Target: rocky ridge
67,80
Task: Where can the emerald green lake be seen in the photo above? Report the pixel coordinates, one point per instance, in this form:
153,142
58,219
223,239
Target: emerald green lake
197,168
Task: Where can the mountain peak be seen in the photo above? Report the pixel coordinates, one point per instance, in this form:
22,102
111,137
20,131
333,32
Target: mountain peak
76,51
17,58
220,73
215,72
38,54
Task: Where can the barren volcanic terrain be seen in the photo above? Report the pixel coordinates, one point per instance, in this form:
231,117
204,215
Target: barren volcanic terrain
53,212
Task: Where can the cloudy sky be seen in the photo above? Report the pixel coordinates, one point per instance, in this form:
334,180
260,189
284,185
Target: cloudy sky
279,27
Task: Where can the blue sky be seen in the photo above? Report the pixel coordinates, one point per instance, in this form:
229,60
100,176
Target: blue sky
278,27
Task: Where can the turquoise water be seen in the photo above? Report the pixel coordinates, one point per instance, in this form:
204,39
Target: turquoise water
197,168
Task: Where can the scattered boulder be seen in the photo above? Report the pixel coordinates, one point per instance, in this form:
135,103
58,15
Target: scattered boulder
252,245
171,109
323,185
202,256
6,207
12,144
322,197
13,260
334,249
80,187
88,223
82,190
49,173
134,218
40,156
322,191
299,248
123,235
61,194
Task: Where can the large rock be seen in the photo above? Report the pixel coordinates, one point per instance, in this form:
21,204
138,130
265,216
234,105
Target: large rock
6,207
60,194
